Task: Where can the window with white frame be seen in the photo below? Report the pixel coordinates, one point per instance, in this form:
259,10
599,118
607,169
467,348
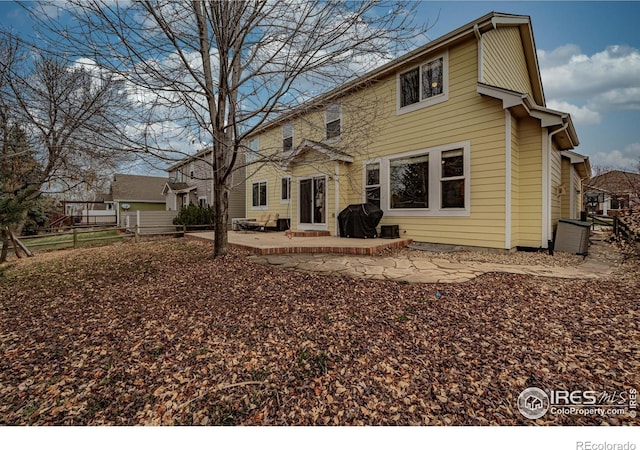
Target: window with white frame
252,152
259,195
428,182
452,189
409,182
285,189
192,168
202,202
287,137
423,85
333,121
372,183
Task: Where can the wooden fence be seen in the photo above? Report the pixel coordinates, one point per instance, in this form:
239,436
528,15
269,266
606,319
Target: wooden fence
73,238
621,229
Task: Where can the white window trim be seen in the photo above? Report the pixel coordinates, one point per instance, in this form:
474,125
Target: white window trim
286,202
285,137
364,178
326,122
435,177
252,153
431,100
265,207
203,197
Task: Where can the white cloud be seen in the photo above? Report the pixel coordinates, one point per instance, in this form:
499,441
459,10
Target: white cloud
627,158
580,114
604,81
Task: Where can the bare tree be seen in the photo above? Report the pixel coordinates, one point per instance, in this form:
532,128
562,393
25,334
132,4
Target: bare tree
215,71
67,116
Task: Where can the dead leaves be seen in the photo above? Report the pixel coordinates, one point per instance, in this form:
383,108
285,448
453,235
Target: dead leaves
158,333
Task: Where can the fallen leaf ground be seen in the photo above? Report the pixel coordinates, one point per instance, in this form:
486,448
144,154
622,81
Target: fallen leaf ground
160,333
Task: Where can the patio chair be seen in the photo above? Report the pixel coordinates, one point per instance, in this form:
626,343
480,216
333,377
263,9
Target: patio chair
261,223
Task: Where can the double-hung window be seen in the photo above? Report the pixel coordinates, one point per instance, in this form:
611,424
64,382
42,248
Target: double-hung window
285,189
287,137
253,149
423,85
452,189
332,118
372,183
259,195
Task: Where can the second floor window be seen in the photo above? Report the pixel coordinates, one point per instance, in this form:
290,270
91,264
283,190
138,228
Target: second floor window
252,153
423,82
333,121
287,137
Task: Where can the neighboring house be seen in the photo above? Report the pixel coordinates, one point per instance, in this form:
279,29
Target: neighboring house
136,193
453,141
191,181
615,189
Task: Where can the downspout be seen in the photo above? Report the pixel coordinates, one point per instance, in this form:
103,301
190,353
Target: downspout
476,31
547,225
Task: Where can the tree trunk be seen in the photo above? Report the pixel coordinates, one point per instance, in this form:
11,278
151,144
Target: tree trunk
5,245
221,218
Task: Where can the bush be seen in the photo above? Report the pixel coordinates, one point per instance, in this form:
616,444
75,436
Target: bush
194,215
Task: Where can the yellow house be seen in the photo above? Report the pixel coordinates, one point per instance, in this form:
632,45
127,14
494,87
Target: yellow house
453,142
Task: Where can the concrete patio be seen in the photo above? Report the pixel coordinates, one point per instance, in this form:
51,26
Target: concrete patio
278,243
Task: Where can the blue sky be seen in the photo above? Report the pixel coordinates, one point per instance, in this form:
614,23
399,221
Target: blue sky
589,54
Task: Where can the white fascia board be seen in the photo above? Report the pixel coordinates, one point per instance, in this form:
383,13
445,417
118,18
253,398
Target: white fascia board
509,21
509,98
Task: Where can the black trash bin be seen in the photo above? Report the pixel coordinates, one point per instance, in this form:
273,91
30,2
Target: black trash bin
359,221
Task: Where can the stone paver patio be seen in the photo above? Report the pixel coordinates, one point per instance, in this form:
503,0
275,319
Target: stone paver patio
331,255
418,269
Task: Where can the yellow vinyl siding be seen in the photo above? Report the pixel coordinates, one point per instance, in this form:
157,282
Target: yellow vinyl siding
515,183
374,131
466,116
556,180
568,190
576,191
530,178
504,63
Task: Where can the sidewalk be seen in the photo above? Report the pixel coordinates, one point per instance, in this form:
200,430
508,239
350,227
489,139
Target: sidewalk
600,263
